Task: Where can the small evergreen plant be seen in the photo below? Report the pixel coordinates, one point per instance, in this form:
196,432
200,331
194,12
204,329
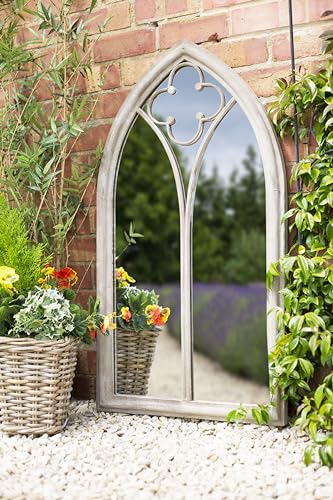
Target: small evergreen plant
16,250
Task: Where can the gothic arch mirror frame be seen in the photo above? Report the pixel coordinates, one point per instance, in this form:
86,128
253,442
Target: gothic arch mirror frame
276,201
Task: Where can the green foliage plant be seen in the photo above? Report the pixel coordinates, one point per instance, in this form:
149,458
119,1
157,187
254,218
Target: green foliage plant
50,314
16,250
43,113
48,311
9,306
45,311
239,414
21,262
154,198
301,363
86,321
45,314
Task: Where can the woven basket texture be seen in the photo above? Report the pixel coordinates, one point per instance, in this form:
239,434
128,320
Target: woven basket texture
36,380
135,354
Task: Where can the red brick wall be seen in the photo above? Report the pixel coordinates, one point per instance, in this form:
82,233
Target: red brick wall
249,35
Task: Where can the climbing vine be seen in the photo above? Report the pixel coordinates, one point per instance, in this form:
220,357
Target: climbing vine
301,363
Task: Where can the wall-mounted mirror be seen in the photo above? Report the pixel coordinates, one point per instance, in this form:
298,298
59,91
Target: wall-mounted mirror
192,161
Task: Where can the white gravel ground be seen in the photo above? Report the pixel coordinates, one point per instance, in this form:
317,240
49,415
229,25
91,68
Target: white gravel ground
112,456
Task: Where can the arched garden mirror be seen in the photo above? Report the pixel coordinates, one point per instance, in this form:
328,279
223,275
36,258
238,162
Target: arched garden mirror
192,160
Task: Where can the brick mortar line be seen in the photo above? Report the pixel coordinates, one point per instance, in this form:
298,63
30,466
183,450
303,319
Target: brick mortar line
160,8
266,100
281,30
97,93
81,153
89,236
157,38
307,9
243,5
269,45
262,32
170,18
150,26
132,15
229,24
223,9
278,64
262,35
96,122
268,64
276,31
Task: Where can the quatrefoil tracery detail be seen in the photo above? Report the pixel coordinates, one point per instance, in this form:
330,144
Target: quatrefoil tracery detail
170,121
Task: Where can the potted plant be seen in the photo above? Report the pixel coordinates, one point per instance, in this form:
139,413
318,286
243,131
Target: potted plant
40,329
137,324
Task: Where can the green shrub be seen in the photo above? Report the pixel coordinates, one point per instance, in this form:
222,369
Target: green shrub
16,250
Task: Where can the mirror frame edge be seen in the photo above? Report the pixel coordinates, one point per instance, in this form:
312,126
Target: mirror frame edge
276,192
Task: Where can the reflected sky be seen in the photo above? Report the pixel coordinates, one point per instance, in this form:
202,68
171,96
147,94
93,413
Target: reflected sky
228,146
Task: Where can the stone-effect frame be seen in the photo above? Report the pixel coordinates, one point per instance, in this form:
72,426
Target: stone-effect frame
276,238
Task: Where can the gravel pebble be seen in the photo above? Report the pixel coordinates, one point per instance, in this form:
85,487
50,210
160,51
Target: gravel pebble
114,457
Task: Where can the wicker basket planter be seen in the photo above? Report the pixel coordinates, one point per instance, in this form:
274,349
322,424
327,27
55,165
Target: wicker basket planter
36,379
135,354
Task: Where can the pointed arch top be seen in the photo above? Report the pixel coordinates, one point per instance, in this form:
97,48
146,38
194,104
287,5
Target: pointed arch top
273,164
276,201
189,52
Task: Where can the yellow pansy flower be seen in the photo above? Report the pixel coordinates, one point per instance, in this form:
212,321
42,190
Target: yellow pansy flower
123,278
8,275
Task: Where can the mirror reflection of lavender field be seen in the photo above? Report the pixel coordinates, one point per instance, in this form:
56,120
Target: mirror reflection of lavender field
229,325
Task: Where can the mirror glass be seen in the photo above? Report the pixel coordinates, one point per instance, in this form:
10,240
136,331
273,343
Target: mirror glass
229,259
146,197
229,268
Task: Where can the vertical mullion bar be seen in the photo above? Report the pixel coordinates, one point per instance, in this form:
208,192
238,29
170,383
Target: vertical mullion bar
186,306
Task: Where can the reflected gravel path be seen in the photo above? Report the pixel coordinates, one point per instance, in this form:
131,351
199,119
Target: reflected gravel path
211,382
112,456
